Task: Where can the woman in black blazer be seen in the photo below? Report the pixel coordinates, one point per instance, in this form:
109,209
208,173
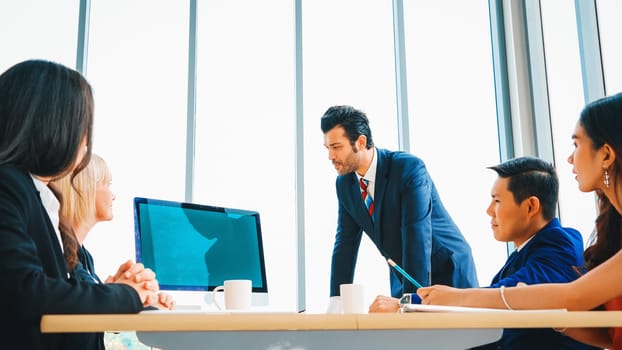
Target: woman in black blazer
46,122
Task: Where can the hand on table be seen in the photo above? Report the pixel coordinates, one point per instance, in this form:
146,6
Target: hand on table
384,304
439,295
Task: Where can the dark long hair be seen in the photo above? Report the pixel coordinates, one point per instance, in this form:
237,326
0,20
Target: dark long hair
67,235
46,110
602,122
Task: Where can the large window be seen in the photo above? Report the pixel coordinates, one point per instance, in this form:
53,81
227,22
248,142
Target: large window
563,66
348,60
137,67
246,108
609,13
35,29
245,124
452,114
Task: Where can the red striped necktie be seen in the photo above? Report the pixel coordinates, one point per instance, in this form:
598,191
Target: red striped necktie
369,202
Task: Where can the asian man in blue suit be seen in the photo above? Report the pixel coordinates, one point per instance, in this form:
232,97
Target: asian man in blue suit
522,211
392,198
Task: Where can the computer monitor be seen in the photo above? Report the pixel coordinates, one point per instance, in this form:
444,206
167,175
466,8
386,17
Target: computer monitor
195,248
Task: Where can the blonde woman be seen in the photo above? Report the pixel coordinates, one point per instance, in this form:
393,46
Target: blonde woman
86,199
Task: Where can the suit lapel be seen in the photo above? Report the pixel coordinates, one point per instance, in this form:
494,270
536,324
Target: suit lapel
361,209
382,171
509,267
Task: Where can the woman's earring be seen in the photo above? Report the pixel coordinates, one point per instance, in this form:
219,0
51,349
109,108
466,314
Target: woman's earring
606,178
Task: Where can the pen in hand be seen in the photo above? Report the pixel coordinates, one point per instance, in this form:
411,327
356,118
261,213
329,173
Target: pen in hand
400,270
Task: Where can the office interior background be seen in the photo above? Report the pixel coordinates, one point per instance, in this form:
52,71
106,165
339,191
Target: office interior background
219,102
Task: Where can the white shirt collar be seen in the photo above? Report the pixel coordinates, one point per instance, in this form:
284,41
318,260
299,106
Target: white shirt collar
524,243
370,175
51,205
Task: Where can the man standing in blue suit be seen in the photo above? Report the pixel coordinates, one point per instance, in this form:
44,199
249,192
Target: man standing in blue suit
391,197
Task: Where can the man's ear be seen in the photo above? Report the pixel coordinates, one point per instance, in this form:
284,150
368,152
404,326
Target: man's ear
533,205
361,142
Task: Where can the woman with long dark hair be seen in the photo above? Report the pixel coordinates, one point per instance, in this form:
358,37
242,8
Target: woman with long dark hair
597,165
46,123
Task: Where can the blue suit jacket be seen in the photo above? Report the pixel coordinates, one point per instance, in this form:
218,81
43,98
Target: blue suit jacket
411,226
33,273
548,257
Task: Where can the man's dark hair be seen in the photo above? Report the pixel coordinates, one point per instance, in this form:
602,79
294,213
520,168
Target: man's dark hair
353,121
531,176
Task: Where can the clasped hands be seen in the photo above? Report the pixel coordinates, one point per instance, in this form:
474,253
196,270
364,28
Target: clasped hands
144,282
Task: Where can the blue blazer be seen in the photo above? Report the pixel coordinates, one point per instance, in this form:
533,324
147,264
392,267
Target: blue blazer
85,272
33,274
549,257
410,226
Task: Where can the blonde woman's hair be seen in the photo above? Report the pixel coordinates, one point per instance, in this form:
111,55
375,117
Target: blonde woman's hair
77,202
78,194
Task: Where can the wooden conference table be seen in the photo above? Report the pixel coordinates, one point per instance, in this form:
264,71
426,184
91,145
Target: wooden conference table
276,331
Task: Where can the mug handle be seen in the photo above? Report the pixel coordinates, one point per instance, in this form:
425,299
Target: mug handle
214,291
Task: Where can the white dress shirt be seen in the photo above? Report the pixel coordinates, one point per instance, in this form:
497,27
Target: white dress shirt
51,205
370,175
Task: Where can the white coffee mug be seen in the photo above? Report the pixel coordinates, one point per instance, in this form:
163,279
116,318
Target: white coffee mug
353,298
238,295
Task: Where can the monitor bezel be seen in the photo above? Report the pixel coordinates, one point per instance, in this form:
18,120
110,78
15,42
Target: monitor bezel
203,207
